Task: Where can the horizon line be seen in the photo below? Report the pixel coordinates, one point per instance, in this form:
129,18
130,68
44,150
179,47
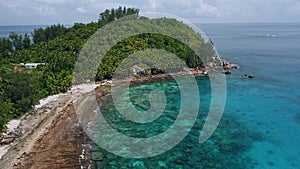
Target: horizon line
69,24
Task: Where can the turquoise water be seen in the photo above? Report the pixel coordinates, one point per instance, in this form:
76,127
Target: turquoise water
269,103
226,148
260,127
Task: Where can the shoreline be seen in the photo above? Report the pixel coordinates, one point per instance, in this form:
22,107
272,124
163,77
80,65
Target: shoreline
55,114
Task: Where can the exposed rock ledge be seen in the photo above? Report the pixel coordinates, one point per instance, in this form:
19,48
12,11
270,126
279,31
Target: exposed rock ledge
50,136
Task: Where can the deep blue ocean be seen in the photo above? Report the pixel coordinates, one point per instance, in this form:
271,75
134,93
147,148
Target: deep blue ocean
260,127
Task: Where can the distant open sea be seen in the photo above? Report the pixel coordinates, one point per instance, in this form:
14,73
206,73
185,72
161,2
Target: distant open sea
261,123
269,103
19,29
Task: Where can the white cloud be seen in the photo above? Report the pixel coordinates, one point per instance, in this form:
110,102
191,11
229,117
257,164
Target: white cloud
184,8
51,2
11,4
154,4
102,5
255,10
44,11
81,9
206,10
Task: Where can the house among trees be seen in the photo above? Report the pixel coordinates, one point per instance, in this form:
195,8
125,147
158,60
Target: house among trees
31,65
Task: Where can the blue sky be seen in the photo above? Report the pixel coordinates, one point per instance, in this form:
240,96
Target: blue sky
28,12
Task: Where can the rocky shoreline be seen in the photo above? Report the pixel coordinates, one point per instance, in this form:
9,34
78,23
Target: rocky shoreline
51,137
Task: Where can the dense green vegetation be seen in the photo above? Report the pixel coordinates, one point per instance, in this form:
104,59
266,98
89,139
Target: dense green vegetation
50,33
113,14
145,41
59,47
21,88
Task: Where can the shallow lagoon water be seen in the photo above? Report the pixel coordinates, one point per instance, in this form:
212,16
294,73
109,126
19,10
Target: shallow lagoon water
260,127
227,146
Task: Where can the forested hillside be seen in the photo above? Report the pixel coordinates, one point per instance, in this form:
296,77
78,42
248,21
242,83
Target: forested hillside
59,47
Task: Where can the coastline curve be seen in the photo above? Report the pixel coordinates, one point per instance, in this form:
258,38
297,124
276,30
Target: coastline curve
102,133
